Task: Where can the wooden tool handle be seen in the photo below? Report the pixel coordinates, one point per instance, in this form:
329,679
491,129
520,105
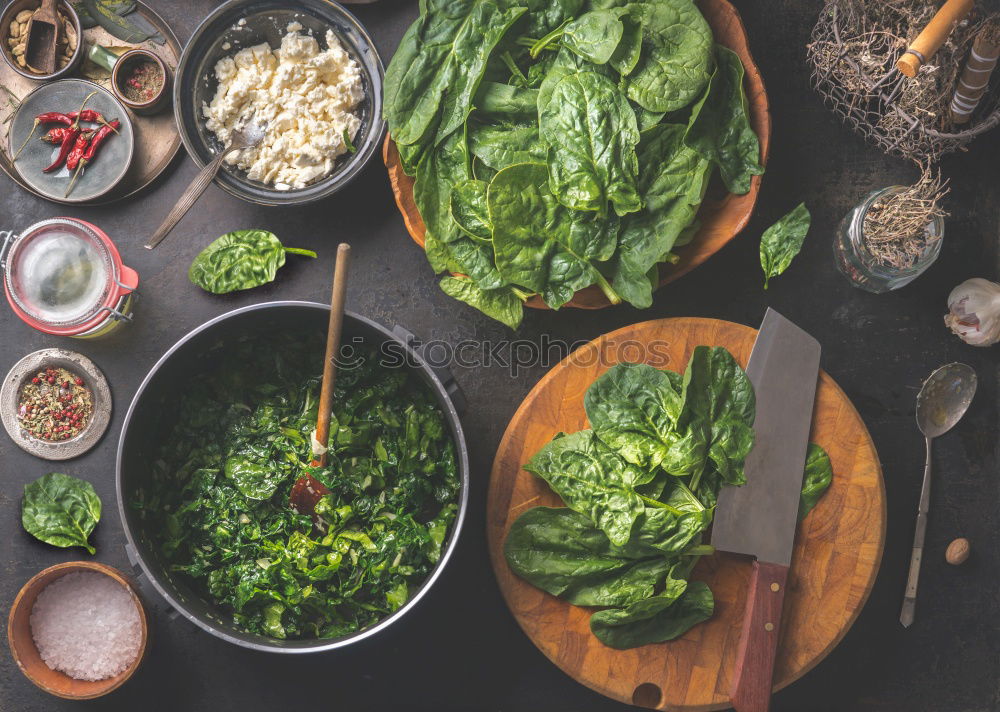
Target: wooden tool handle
332,346
754,672
933,36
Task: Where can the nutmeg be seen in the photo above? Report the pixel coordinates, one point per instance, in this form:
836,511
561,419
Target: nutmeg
957,552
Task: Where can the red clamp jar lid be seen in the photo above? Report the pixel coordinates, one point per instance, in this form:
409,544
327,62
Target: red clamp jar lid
64,276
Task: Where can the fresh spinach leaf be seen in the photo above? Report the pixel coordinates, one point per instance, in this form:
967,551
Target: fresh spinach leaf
61,510
782,241
592,134
502,304
818,476
502,146
561,551
672,181
634,408
719,127
594,480
469,211
627,53
506,101
654,620
676,58
242,259
438,66
531,236
595,35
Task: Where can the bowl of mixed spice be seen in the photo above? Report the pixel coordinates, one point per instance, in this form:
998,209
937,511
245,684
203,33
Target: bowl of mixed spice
55,404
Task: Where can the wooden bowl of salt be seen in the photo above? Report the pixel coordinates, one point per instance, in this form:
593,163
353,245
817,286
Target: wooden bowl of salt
75,621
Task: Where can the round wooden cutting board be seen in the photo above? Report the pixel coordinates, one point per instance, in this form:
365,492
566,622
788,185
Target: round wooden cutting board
720,219
837,550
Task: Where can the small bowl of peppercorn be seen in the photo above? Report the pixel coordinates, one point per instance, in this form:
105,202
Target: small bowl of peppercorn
140,80
55,404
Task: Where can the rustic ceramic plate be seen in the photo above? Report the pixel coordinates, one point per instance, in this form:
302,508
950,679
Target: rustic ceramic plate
111,162
721,220
838,546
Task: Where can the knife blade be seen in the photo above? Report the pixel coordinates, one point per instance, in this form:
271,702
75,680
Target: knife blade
759,518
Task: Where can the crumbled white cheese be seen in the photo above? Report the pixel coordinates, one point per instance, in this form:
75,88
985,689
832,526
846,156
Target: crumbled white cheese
306,98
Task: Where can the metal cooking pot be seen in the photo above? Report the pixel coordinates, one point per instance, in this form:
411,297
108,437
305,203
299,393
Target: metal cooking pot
143,425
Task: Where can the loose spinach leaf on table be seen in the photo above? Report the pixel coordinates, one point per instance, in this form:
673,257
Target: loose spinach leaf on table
782,241
719,127
243,259
60,510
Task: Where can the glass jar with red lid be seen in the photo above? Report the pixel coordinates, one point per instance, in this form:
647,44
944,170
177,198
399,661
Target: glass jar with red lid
64,276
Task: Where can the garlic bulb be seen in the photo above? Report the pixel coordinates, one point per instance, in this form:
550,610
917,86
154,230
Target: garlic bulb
974,312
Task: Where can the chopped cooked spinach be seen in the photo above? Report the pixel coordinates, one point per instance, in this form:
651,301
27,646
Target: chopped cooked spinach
640,490
623,108
239,437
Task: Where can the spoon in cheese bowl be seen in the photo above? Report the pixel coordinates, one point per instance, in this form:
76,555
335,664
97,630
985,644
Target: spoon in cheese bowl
248,136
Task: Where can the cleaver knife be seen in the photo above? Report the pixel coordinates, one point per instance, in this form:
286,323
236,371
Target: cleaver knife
759,518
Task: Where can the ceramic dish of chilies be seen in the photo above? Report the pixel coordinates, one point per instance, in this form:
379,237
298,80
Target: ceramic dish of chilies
111,160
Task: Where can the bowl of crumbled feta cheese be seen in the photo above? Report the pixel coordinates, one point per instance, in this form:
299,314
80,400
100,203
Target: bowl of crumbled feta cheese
307,73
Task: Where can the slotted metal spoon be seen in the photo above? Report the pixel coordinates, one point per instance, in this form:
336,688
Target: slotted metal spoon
249,136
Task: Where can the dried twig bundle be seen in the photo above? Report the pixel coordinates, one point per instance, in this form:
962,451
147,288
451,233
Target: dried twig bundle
896,228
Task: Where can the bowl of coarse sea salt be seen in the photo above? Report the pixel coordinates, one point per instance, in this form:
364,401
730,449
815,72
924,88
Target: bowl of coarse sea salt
77,630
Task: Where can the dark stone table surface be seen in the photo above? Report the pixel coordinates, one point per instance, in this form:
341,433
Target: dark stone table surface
461,649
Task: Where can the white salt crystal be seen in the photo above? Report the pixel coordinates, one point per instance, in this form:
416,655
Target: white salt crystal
86,625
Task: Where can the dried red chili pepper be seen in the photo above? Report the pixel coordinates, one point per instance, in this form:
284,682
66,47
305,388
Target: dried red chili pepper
95,143
79,148
84,150
91,115
69,139
55,117
55,135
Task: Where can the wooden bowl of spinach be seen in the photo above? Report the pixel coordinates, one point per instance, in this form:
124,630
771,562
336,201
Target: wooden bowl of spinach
578,158
216,437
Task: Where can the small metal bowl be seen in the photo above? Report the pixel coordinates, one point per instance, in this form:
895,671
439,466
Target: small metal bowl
22,644
100,393
120,74
238,24
11,11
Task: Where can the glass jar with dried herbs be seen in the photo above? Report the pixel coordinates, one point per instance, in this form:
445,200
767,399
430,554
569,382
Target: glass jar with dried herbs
892,236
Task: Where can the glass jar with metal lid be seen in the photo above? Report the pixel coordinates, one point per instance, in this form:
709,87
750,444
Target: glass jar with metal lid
64,276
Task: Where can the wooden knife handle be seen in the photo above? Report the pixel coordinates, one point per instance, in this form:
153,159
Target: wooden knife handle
752,681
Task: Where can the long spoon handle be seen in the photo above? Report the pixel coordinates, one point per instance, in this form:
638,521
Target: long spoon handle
332,347
910,599
188,199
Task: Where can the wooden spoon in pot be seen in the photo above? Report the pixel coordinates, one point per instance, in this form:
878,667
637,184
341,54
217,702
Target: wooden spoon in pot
42,38
307,490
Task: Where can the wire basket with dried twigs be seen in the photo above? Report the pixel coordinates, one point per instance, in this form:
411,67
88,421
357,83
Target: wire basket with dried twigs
854,48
